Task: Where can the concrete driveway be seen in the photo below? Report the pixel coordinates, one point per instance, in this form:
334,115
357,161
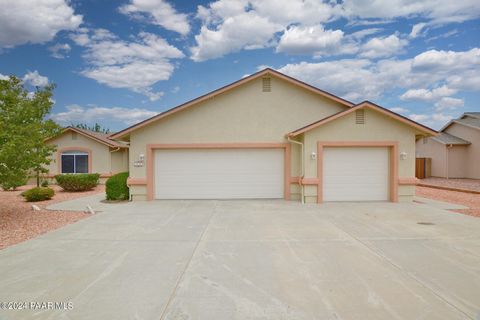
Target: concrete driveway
250,260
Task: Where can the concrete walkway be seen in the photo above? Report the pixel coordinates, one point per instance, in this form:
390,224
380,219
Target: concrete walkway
250,260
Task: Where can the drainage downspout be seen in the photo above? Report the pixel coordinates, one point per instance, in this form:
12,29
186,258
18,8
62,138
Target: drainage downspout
449,146
302,167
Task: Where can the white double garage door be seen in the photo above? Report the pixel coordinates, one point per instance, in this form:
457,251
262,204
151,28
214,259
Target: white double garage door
349,174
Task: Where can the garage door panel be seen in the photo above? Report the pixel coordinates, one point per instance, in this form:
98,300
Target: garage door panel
219,173
355,174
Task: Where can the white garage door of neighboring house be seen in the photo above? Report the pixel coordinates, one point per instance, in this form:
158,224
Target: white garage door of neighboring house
355,174
219,173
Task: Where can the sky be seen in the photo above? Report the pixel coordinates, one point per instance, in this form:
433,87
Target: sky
120,62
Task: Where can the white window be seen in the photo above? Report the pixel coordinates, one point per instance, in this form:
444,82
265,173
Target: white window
74,162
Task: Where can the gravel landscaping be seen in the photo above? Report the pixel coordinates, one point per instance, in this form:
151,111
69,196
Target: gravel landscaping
470,200
18,222
465,184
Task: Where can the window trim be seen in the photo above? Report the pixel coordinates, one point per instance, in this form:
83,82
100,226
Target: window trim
74,154
70,151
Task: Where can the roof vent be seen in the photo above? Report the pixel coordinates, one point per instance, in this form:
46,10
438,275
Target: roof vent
360,116
266,84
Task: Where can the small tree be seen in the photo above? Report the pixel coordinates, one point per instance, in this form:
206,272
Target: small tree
95,128
23,129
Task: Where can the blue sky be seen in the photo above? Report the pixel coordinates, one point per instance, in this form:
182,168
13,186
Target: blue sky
119,62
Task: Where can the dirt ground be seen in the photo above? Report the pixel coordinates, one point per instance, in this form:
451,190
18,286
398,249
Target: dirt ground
470,200
18,222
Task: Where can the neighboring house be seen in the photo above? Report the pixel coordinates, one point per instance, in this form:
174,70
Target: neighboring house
455,152
84,151
271,136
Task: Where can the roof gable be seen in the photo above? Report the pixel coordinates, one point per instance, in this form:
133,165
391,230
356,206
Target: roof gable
262,73
102,138
365,104
447,139
466,120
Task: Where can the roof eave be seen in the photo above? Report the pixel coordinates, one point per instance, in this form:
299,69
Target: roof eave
368,104
70,128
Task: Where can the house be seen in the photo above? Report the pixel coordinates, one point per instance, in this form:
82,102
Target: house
85,151
272,136
455,152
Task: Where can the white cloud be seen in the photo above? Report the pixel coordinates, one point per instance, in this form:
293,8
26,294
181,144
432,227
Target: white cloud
447,60
428,95
438,11
34,21
399,110
434,120
359,35
158,12
35,79
349,78
3,77
297,23
360,79
417,30
314,40
244,31
232,25
76,113
449,103
135,65
383,47
176,89
59,50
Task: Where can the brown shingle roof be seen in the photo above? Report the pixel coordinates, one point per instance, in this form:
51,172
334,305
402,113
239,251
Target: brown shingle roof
98,136
447,138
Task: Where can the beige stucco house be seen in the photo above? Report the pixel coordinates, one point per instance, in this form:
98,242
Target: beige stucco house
455,152
84,151
271,136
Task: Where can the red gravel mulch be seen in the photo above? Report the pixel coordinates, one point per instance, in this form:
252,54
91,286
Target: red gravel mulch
470,200
18,222
465,184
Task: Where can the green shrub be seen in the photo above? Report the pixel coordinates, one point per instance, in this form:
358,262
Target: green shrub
77,182
116,187
38,194
44,183
13,179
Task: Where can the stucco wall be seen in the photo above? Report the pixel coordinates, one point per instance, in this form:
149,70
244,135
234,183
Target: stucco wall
377,127
457,162
101,162
244,114
119,161
434,150
472,151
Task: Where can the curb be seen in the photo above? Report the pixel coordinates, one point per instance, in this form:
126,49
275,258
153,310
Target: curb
448,188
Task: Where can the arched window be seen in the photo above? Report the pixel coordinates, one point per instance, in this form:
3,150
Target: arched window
74,162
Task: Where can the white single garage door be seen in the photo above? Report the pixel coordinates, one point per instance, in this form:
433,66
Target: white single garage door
219,173
355,174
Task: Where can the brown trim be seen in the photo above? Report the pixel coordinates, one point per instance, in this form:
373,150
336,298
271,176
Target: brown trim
407,181
295,180
102,175
393,145
228,87
365,104
85,134
310,181
59,157
150,181
136,182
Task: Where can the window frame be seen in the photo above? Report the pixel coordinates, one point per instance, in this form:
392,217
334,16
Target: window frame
74,153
